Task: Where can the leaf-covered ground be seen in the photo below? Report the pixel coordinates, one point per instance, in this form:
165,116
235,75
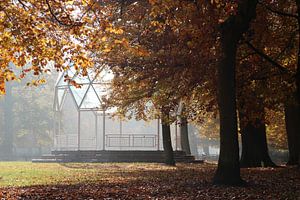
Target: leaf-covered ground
140,181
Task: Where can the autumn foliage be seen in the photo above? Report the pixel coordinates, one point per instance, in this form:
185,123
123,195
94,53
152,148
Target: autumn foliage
236,61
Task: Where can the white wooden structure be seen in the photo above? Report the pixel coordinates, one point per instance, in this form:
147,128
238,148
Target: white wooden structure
83,123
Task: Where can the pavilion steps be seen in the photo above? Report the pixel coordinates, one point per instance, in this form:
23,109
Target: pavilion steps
113,156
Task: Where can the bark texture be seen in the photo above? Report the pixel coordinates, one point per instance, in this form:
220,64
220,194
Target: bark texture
254,145
255,151
292,125
298,75
228,171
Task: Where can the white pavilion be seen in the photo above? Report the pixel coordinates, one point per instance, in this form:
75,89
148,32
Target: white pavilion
83,125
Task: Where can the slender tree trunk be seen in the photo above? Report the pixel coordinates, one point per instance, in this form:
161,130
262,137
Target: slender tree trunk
167,142
228,171
292,125
184,136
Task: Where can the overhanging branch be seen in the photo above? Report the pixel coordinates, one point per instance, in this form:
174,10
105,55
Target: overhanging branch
278,12
56,18
268,58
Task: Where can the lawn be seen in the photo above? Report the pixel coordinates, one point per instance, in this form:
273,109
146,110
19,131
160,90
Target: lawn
28,174
25,180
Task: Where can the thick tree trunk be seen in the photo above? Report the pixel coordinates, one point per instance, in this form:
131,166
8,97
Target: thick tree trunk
228,171
292,130
299,161
255,151
254,146
250,154
184,136
298,75
167,142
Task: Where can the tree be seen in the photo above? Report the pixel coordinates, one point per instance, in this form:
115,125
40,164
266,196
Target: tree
161,52
253,132
27,117
30,33
291,110
271,69
163,71
298,76
232,29
7,144
184,133
166,134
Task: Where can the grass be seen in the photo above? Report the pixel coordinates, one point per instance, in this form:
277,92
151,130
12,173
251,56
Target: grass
25,180
28,174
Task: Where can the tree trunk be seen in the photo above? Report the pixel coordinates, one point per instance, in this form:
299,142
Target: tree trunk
298,75
292,130
250,154
228,171
255,151
254,146
184,136
267,161
167,142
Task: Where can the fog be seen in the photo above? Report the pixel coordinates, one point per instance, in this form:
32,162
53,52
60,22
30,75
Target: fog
26,119
30,129
28,125
36,120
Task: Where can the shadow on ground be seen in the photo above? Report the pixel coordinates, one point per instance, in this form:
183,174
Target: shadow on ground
189,181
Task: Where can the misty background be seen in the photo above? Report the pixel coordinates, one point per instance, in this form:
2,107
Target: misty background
27,125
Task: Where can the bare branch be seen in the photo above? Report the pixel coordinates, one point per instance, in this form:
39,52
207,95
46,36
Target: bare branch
289,44
23,5
268,58
278,12
55,17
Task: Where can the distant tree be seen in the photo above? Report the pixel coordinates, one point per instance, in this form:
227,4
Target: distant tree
27,114
268,68
184,131
8,134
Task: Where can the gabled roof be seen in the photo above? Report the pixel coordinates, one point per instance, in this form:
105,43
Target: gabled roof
89,96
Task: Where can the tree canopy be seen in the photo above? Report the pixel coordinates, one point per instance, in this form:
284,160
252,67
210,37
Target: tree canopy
237,60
